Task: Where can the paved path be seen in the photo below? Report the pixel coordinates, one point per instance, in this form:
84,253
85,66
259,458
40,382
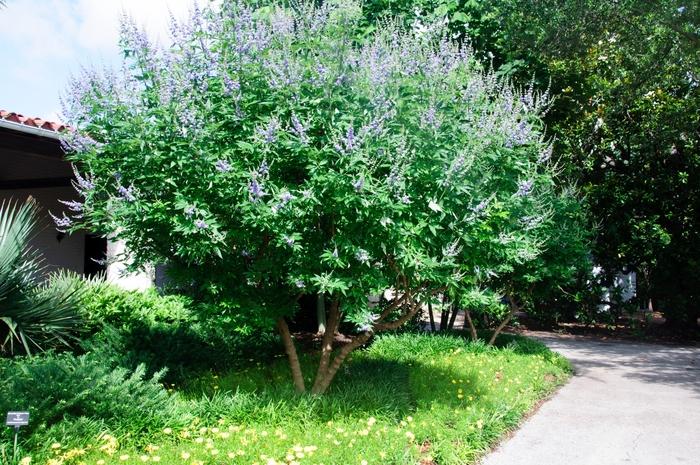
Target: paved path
628,403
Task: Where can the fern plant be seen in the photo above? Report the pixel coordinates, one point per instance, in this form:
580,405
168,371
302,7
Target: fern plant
35,314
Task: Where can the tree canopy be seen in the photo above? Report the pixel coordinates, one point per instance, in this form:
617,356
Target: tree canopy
267,154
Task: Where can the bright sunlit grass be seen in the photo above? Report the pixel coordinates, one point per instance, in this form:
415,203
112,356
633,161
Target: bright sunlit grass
408,399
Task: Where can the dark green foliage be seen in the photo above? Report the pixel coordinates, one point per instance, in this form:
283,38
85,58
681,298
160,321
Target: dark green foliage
63,388
627,124
625,75
170,331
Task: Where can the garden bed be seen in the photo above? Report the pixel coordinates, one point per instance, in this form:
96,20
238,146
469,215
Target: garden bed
407,399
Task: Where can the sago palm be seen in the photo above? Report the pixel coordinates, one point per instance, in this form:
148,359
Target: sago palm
34,315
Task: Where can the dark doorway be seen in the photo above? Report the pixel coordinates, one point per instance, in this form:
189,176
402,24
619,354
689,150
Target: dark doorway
95,255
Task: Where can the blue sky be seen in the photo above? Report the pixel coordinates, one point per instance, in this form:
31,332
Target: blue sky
45,41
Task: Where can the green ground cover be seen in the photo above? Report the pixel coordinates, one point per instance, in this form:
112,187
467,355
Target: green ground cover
407,399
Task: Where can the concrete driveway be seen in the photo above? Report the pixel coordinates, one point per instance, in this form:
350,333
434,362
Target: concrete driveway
629,403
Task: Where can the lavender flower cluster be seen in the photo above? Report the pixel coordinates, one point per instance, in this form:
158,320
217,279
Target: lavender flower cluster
219,54
524,188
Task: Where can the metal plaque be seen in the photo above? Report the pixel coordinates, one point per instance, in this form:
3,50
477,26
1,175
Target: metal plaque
17,419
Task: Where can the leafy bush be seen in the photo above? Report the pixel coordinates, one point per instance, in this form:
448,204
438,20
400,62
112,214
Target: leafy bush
306,162
57,388
169,331
106,304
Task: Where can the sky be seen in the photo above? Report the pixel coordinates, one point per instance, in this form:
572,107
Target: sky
44,42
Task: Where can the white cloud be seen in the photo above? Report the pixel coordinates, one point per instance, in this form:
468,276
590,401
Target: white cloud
99,28
45,41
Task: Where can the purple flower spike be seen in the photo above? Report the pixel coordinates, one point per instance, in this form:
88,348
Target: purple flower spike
255,190
201,224
298,129
82,184
359,184
481,206
72,205
289,240
231,86
127,193
222,166
269,133
524,188
350,139
62,223
286,197
362,256
546,155
430,118
348,143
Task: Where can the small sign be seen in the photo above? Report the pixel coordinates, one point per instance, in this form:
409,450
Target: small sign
17,419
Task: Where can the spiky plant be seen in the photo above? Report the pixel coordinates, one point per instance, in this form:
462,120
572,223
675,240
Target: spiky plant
34,314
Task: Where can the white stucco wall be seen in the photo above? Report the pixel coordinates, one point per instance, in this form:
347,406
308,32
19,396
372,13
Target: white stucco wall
116,270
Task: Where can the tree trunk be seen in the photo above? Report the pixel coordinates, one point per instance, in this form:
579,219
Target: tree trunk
513,308
321,313
451,325
327,343
468,321
323,380
297,375
431,315
327,369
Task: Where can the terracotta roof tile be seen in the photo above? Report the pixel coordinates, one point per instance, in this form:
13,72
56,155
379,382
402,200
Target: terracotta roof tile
33,122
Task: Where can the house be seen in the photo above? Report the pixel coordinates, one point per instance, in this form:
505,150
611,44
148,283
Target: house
32,163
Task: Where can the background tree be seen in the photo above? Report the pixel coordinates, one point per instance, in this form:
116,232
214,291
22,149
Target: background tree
627,125
625,120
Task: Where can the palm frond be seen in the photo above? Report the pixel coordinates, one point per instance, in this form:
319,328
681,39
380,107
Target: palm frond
33,316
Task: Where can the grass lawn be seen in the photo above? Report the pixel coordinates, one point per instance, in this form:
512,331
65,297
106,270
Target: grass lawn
408,399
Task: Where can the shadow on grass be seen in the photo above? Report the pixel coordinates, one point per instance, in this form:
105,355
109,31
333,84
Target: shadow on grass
373,383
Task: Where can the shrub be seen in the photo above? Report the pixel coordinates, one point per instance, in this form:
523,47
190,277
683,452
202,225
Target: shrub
266,154
106,304
58,388
169,331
